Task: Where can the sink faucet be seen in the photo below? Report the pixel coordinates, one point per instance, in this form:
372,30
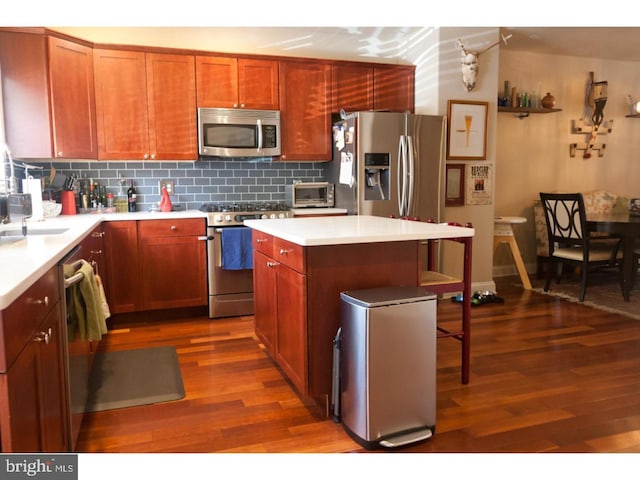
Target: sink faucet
6,157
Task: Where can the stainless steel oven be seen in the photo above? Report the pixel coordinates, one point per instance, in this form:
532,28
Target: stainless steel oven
231,290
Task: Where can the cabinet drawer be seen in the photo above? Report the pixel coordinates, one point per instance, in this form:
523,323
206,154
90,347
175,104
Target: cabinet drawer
171,227
289,254
262,242
20,320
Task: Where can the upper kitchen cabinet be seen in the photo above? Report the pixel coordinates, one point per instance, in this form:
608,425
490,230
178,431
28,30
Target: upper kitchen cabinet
394,88
146,105
352,88
305,110
48,94
229,82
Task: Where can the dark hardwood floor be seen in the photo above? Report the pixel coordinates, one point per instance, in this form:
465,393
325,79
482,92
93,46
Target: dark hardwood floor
546,376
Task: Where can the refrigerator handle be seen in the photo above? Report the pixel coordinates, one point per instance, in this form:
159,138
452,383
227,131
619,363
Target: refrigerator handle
401,176
410,173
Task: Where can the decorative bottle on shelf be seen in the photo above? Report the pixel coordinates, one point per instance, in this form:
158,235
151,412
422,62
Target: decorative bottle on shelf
165,201
548,101
132,198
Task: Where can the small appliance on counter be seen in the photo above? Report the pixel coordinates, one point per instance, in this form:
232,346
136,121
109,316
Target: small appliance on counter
309,194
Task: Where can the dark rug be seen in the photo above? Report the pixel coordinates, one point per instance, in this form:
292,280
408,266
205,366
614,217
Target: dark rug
603,292
129,378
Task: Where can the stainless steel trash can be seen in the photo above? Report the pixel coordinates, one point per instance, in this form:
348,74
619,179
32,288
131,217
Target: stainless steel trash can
388,365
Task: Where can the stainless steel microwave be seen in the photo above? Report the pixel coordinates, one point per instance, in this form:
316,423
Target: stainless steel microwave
309,194
231,132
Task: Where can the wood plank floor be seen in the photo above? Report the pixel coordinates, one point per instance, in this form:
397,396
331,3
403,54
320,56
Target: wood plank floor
546,376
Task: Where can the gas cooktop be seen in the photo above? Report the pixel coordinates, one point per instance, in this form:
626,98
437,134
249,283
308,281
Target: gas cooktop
235,213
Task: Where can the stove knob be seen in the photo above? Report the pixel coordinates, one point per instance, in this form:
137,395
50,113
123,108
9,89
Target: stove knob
227,218
282,215
218,218
273,215
263,216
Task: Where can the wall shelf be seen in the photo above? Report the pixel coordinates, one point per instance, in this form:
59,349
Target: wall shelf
523,112
633,115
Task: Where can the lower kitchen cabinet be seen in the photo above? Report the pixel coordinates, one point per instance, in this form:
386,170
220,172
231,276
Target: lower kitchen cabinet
280,309
155,264
33,388
172,263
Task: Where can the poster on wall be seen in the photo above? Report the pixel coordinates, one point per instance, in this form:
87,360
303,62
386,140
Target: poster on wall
479,184
467,130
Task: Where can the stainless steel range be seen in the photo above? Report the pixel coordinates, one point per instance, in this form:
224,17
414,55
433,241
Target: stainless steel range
231,290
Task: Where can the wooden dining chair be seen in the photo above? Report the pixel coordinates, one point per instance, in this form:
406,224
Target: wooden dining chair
569,239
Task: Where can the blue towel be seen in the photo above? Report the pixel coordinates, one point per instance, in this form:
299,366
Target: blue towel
237,250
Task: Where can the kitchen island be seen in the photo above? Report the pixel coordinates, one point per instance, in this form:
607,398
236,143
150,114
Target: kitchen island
302,264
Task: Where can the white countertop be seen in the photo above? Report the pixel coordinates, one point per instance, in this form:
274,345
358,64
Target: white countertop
354,229
319,211
22,262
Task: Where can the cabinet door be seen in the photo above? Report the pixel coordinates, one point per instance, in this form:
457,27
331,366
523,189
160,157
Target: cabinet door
292,326
173,267
121,104
124,292
217,81
72,99
305,96
171,91
352,88
265,313
52,381
20,418
258,84
393,89
25,95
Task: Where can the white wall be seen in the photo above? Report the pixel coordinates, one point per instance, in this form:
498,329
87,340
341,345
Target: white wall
533,153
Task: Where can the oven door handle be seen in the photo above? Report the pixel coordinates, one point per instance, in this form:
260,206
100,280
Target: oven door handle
205,238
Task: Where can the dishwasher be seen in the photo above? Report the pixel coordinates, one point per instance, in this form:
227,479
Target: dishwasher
387,366
79,352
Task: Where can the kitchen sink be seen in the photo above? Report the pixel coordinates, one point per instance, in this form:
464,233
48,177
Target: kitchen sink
17,232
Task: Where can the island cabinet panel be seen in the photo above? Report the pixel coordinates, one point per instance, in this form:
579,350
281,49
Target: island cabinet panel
229,82
146,105
305,110
298,327
394,89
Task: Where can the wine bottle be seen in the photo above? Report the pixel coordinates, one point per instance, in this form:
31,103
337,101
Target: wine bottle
131,197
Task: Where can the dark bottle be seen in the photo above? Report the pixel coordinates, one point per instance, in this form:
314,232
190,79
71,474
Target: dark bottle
131,197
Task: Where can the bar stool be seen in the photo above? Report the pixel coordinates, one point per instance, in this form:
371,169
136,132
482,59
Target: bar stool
503,233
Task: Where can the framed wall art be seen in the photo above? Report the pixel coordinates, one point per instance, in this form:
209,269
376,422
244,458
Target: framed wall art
454,196
467,130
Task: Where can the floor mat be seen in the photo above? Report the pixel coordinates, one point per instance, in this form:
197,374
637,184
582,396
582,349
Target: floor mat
130,378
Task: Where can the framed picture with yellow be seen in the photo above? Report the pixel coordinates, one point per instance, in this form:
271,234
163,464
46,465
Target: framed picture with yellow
467,130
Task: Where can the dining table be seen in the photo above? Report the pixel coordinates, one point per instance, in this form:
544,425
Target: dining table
627,227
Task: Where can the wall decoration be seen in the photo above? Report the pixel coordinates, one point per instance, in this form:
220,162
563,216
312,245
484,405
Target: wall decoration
479,184
455,185
594,126
467,130
469,62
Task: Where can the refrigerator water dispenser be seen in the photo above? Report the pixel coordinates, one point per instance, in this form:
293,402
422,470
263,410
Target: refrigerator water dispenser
377,176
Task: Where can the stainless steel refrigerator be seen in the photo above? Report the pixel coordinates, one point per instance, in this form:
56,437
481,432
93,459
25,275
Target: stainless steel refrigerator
387,163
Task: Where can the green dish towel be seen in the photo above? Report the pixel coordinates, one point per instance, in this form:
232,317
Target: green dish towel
86,318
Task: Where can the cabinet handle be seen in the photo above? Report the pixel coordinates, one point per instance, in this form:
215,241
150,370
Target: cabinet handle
285,251
43,337
242,105
96,252
261,240
235,105
59,154
153,156
97,234
272,264
174,228
44,301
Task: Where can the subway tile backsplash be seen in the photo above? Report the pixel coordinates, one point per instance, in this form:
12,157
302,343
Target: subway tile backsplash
196,182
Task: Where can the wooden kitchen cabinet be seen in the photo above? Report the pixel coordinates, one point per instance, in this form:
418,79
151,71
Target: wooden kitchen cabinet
230,82
172,263
281,306
48,90
123,282
352,88
305,110
394,88
155,264
146,105
33,388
